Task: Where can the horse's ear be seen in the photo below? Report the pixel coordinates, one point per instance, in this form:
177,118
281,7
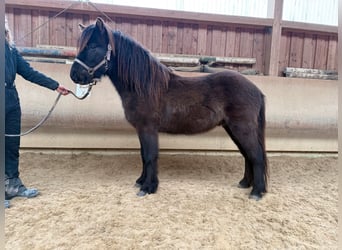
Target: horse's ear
100,23
81,26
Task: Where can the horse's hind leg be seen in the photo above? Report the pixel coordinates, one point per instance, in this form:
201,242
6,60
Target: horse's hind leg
247,180
148,181
245,135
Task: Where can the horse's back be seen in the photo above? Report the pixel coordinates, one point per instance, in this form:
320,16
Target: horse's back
224,84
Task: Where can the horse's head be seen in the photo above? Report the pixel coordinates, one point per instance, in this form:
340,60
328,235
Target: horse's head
95,50
128,64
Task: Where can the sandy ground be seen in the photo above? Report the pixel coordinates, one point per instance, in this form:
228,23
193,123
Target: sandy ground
88,201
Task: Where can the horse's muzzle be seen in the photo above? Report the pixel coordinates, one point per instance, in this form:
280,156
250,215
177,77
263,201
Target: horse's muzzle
80,75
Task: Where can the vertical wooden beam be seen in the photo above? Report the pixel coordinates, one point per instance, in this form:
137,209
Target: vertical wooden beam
272,63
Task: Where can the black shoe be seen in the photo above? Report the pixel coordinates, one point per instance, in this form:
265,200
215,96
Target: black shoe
15,188
27,192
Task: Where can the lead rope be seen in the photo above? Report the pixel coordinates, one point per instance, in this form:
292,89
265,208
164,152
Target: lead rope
50,111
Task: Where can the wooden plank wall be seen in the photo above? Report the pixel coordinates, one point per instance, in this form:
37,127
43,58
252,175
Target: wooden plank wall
307,49
178,35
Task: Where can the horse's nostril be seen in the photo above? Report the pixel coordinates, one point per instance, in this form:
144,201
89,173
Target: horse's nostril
78,76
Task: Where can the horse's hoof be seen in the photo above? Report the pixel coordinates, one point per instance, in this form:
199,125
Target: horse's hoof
255,197
137,185
141,193
243,186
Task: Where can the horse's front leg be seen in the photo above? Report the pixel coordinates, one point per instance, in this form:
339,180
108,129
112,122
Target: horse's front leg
148,181
140,181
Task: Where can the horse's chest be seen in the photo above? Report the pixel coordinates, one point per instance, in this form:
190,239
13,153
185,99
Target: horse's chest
138,112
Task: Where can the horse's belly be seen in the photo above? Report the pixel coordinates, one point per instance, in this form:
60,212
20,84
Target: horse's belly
187,129
193,122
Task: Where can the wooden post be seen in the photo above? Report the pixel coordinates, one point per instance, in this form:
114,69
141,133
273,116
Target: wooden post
272,61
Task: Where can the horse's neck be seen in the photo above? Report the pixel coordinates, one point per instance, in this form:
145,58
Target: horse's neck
117,84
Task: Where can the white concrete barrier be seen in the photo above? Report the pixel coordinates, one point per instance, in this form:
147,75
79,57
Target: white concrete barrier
301,115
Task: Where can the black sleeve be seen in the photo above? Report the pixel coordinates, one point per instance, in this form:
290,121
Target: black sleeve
27,72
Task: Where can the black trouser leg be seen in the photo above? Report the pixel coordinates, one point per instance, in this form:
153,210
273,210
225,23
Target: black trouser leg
12,126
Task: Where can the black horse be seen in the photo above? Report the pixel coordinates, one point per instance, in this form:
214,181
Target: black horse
157,100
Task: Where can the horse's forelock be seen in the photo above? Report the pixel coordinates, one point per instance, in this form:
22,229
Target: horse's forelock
84,38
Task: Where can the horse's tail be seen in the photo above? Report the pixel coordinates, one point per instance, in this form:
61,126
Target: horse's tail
261,137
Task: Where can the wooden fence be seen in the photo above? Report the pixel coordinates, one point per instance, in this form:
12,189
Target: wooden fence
274,45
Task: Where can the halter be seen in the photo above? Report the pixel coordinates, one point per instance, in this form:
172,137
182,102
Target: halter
105,61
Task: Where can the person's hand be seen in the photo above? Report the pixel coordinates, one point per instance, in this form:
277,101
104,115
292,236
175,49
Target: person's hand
61,89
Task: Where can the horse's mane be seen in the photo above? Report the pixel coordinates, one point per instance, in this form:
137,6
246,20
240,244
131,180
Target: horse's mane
137,69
